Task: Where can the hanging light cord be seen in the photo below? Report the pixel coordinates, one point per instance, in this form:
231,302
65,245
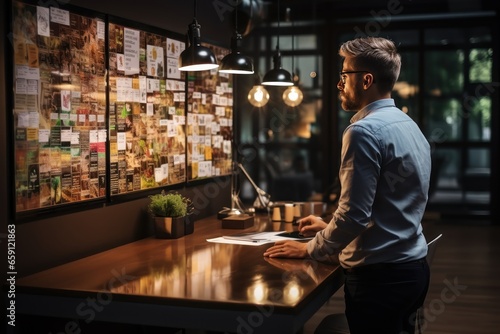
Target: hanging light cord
293,51
194,11
289,19
236,18
278,39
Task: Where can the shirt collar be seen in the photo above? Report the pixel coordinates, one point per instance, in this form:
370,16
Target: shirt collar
371,107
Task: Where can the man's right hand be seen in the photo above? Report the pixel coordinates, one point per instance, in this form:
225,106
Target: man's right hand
310,225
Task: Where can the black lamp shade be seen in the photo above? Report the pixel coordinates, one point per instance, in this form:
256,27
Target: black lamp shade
196,57
235,62
277,76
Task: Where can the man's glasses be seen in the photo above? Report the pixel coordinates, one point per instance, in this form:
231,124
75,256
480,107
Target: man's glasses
343,75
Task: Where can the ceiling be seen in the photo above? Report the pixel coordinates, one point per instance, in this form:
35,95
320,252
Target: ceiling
327,10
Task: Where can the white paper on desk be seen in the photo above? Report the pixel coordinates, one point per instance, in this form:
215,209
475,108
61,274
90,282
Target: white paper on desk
251,239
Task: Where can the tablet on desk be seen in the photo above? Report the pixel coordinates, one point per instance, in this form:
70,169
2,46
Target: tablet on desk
293,235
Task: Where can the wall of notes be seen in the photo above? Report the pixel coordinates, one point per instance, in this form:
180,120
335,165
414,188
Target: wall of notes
59,107
209,122
91,123
146,111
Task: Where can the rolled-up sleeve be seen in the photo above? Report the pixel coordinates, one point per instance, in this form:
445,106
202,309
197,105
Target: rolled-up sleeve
352,217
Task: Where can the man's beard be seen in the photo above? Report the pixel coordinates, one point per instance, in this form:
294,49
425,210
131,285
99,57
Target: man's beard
351,102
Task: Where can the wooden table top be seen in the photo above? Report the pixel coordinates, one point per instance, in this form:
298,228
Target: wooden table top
192,272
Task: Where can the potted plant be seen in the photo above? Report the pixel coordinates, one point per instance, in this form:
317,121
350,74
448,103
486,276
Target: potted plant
171,213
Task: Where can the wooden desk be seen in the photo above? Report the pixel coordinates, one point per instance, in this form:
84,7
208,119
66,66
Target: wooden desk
185,283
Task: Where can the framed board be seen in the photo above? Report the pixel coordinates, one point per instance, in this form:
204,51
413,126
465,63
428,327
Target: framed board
59,107
146,109
209,122
100,110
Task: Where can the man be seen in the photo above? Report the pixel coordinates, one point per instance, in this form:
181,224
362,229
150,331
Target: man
375,233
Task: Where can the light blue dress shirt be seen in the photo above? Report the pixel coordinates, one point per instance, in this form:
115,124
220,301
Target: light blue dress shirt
384,177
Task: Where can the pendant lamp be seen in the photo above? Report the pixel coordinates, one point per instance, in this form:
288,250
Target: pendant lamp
196,57
292,96
258,96
277,76
235,62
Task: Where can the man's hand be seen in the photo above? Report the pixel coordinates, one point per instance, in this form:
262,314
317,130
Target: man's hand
311,225
287,248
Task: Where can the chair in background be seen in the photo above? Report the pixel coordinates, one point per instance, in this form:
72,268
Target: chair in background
431,250
337,323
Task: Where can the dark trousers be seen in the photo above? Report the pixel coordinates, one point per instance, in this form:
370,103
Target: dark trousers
384,298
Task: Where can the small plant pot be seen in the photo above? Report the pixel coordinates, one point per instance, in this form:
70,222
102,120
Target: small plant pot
169,227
